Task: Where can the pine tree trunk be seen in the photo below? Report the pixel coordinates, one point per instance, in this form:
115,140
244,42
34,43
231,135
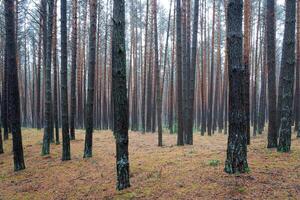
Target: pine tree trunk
73,70
180,137
192,74
66,154
288,68
271,49
91,80
298,65
236,161
13,95
247,28
48,131
119,97
55,79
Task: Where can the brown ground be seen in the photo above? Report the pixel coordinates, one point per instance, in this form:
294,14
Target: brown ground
171,172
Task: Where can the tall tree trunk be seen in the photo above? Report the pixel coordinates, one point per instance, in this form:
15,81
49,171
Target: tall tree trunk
13,95
192,74
298,65
38,81
211,86
91,79
180,136
247,29
160,87
73,71
288,68
271,49
204,74
254,93
236,161
145,70
55,69
119,97
4,103
66,154
48,131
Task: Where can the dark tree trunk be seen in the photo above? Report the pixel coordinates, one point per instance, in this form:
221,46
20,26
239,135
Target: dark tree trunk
236,161
145,70
288,68
55,69
38,81
192,74
91,79
66,155
247,28
298,65
13,95
73,72
48,131
212,68
270,29
119,97
4,103
180,137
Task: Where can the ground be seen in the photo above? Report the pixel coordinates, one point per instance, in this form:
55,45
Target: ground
169,172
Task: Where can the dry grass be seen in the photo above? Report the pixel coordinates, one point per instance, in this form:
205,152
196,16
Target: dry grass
170,172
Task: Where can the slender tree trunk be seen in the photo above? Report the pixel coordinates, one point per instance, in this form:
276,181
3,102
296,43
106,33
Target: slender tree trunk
145,70
180,137
13,95
119,97
236,161
288,68
211,87
73,71
55,69
91,79
298,64
271,49
192,74
247,29
66,154
48,131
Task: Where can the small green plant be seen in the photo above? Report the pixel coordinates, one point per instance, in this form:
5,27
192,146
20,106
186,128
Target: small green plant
214,163
241,189
247,170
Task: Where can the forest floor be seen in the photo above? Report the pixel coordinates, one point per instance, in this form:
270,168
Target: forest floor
170,172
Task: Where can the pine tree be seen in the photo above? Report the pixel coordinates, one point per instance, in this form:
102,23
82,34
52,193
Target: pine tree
287,70
236,161
91,79
271,48
13,94
119,97
64,84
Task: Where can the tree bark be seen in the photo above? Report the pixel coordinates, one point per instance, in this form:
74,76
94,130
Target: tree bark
271,49
119,97
73,71
48,131
13,95
288,68
91,80
236,161
180,136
